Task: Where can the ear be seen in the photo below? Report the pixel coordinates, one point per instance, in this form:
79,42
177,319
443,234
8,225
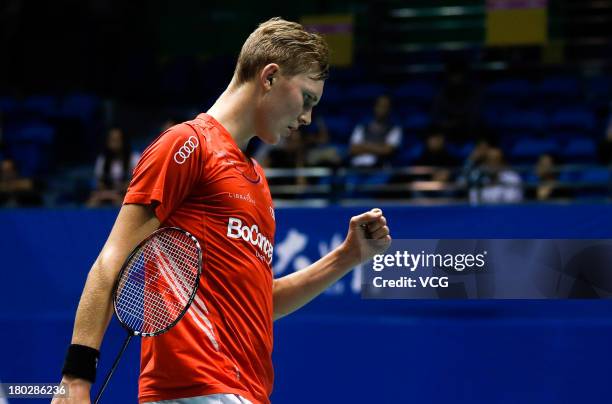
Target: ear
268,75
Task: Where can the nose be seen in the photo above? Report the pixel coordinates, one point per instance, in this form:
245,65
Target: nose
305,118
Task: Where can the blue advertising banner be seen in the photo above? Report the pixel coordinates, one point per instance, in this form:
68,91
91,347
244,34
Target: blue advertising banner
342,347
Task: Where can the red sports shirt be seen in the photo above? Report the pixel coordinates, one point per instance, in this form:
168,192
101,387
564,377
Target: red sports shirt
198,179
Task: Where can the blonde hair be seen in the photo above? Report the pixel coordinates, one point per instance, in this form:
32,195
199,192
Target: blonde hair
286,43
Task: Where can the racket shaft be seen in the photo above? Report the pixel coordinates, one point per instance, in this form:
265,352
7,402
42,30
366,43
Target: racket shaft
110,373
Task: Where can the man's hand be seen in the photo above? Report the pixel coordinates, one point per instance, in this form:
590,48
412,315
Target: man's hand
367,236
78,391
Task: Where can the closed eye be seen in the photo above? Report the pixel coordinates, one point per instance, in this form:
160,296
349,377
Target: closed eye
309,100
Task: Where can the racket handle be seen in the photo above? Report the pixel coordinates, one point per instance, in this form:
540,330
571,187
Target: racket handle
108,376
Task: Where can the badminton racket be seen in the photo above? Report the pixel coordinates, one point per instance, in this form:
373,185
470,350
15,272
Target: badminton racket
156,286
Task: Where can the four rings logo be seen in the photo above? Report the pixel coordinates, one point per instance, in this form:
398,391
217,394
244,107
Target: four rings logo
186,149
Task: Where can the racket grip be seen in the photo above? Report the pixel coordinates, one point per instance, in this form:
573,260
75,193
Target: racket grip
110,373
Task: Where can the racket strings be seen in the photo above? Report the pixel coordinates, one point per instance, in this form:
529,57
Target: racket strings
158,282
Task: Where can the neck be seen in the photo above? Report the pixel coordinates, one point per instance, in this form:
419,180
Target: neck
234,110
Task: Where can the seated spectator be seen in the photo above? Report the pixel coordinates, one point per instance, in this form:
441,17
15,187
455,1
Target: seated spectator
436,154
288,153
605,146
318,152
472,168
16,190
548,186
113,170
373,144
498,183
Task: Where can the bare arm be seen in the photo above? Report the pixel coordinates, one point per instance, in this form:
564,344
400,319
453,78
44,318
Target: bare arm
295,290
373,148
133,224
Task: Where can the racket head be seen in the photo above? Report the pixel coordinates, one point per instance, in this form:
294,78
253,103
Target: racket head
158,282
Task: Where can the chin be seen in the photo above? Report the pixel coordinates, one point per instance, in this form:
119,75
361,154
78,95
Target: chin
271,138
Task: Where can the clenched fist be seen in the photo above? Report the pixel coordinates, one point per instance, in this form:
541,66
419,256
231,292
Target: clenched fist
367,236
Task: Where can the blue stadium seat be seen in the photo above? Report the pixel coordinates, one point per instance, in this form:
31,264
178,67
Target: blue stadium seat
492,114
356,112
44,105
38,133
415,92
365,92
529,120
332,96
599,91
375,179
406,154
596,175
80,106
416,121
576,117
530,149
559,89
565,136
569,175
339,127
508,90
29,146
579,150
595,184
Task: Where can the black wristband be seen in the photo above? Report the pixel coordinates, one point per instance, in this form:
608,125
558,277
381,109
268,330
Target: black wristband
81,361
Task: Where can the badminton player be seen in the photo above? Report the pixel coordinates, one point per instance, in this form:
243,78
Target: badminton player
196,176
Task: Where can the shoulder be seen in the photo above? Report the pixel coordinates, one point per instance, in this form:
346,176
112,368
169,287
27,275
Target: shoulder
175,137
510,177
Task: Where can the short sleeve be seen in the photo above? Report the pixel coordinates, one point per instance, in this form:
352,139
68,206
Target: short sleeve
168,170
394,138
358,135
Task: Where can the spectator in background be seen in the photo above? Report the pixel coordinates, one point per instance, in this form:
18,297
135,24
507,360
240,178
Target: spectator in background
456,107
437,155
318,152
473,166
113,170
605,146
498,183
374,143
548,186
288,153
16,190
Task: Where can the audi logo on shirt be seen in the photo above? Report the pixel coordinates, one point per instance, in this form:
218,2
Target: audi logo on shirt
251,234
186,149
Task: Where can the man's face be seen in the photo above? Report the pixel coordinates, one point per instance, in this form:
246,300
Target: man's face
115,140
7,170
494,159
382,108
435,142
286,106
545,165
